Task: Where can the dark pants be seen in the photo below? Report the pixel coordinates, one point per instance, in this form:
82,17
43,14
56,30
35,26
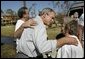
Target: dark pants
21,55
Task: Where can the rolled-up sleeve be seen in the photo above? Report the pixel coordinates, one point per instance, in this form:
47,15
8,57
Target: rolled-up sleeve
53,44
42,43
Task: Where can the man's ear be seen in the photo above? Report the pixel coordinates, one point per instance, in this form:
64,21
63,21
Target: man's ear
44,15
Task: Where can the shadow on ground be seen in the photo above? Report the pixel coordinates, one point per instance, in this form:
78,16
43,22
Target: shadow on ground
8,47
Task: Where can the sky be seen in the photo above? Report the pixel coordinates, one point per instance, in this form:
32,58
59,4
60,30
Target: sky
39,5
15,5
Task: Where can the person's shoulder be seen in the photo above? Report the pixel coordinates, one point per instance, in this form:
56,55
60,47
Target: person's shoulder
20,21
74,36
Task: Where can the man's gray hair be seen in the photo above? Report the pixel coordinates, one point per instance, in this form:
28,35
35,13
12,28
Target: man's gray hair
46,11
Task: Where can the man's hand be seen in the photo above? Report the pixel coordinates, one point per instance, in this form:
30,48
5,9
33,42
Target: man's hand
29,24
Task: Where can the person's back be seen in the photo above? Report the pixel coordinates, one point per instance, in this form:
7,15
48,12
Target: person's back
26,42
71,51
29,39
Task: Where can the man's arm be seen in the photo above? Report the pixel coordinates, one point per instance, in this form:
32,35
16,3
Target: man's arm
45,45
66,40
27,24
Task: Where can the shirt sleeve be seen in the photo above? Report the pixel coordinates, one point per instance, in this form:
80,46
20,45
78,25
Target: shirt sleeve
41,41
18,24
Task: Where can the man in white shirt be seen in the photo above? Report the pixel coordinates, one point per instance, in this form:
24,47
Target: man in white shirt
34,41
22,23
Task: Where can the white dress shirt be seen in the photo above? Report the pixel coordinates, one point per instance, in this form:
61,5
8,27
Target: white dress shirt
71,51
18,24
35,37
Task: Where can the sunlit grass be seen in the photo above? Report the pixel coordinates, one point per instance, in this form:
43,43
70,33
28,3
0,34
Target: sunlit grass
52,32
7,30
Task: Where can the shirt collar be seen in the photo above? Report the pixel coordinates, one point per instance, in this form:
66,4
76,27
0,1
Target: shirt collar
39,20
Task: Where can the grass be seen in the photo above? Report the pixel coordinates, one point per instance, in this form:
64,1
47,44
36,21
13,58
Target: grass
7,30
8,51
52,32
